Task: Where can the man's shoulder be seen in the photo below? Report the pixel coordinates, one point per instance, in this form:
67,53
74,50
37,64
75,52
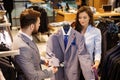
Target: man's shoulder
18,42
17,38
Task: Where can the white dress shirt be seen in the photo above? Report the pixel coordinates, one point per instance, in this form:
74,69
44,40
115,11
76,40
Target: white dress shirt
68,33
30,37
6,39
93,42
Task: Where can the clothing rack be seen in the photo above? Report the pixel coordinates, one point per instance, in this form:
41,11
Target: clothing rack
119,38
110,38
110,49
111,64
5,56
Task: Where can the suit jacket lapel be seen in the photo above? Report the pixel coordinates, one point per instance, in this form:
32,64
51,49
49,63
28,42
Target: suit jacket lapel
61,40
29,42
70,39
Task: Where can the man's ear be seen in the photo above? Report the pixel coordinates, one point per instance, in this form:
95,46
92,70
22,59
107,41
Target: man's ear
32,26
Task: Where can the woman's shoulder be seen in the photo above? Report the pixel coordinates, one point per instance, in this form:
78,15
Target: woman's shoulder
95,28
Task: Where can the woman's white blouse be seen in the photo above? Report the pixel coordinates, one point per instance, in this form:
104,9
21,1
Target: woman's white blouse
93,42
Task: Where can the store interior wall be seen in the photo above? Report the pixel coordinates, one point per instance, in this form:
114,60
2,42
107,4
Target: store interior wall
20,5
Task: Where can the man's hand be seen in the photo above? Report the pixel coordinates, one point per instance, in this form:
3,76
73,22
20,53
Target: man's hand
46,62
55,69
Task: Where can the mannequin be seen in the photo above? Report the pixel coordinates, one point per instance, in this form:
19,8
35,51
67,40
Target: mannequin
66,27
73,57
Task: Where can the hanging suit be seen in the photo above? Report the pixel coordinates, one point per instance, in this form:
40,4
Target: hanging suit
111,65
75,56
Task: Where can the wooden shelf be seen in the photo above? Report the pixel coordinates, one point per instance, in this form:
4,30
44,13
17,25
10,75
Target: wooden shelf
64,16
97,3
5,24
9,53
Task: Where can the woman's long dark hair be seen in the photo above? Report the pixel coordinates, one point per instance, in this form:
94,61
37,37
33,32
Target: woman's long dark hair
86,9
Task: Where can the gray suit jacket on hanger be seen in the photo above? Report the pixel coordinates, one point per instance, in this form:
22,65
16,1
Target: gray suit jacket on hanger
29,58
75,56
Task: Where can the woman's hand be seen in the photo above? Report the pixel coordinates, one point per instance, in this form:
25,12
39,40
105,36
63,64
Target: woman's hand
96,64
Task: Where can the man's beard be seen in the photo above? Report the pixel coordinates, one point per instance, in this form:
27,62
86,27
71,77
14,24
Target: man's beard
34,31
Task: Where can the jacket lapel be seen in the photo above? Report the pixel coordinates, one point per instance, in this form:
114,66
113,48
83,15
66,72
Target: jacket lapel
29,42
61,40
70,39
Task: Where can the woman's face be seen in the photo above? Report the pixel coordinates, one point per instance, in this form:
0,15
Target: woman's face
84,19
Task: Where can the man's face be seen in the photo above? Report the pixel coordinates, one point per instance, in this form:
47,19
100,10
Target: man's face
36,26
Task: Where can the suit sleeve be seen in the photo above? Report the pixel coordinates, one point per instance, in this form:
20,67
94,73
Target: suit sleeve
25,62
85,61
49,47
50,52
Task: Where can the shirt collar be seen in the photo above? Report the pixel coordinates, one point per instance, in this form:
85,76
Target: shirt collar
30,37
68,33
88,28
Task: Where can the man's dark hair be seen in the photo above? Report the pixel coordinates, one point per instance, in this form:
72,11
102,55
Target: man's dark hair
28,17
